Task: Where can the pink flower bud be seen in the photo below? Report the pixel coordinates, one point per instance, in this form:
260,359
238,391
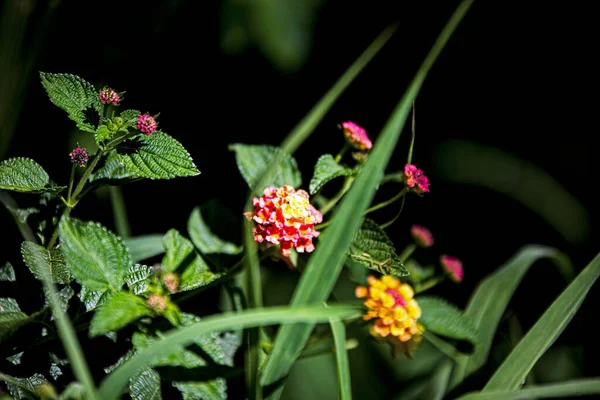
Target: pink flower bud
421,235
79,156
147,124
453,267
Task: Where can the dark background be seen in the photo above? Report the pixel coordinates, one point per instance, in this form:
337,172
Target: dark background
515,77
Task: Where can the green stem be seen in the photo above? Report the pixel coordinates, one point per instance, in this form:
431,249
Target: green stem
118,140
390,222
412,142
119,212
327,207
71,180
407,252
387,202
421,287
342,152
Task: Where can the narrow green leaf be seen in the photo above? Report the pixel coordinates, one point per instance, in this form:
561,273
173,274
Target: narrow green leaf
136,278
119,310
25,175
327,169
489,301
11,316
144,247
252,160
145,386
52,262
325,264
445,319
74,95
372,248
341,355
7,273
568,389
181,257
97,259
113,384
206,241
513,371
92,298
430,387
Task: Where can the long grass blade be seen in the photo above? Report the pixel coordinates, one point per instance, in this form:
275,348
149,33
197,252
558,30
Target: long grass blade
341,356
326,262
113,384
580,387
513,371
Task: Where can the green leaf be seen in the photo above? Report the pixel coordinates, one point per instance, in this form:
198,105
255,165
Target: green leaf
568,389
252,159
7,273
513,371
25,175
341,355
137,278
115,382
119,310
25,388
41,261
431,387
212,390
102,134
372,248
327,169
92,298
72,94
97,259
418,273
324,266
74,391
181,257
445,319
11,316
113,171
159,157
206,241
489,301
129,117
144,247
145,385
64,295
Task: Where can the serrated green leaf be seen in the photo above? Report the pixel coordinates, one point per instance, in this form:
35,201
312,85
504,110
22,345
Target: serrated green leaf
96,258
145,385
445,319
119,310
72,94
129,117
92,298
137,278
181,257
11,316
159,156
252,159
25,175
22,214
113,171
211,390
206,241
327,169
372,248
7,273
15,359
25,388
41,261
64,295
74,391
144,247
102,134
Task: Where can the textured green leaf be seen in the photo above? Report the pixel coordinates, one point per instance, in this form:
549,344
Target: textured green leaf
211,390
145,386
488,304
113,170
327,169
252,159
74,391
96,258
373,249
25,388
92,298
513,371
7,273
563,390
41,261
64,295
119,310
445,319
181,257
25,175
72,94
129,117
102,134
206,241
137,278
144,247
11,316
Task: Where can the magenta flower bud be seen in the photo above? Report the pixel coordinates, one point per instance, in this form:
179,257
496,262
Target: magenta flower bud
356,136
108,95
147,124
453,267
79,156
421,235
415,179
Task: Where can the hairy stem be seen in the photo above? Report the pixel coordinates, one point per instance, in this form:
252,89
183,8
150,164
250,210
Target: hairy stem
327,207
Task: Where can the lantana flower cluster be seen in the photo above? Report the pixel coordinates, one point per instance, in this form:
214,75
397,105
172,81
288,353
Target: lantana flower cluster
285,217
109,95
415,179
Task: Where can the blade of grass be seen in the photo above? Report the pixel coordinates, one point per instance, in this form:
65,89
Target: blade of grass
114,383
326,262
489,301
341,356
579,387
513,371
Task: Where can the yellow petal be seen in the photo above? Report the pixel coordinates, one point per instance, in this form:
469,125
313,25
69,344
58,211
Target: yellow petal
390,281
406,291
387,300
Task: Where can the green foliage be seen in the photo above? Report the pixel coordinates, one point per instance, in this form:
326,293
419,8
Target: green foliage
136,278
206,241
579,387
102,134
7,273
252,159
41,261
113,171
144,247
445,319
26,388
120,309
92,298
129,118
25,175
145,386
11,316
327,169
372,248
74,95
97,259
343,365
